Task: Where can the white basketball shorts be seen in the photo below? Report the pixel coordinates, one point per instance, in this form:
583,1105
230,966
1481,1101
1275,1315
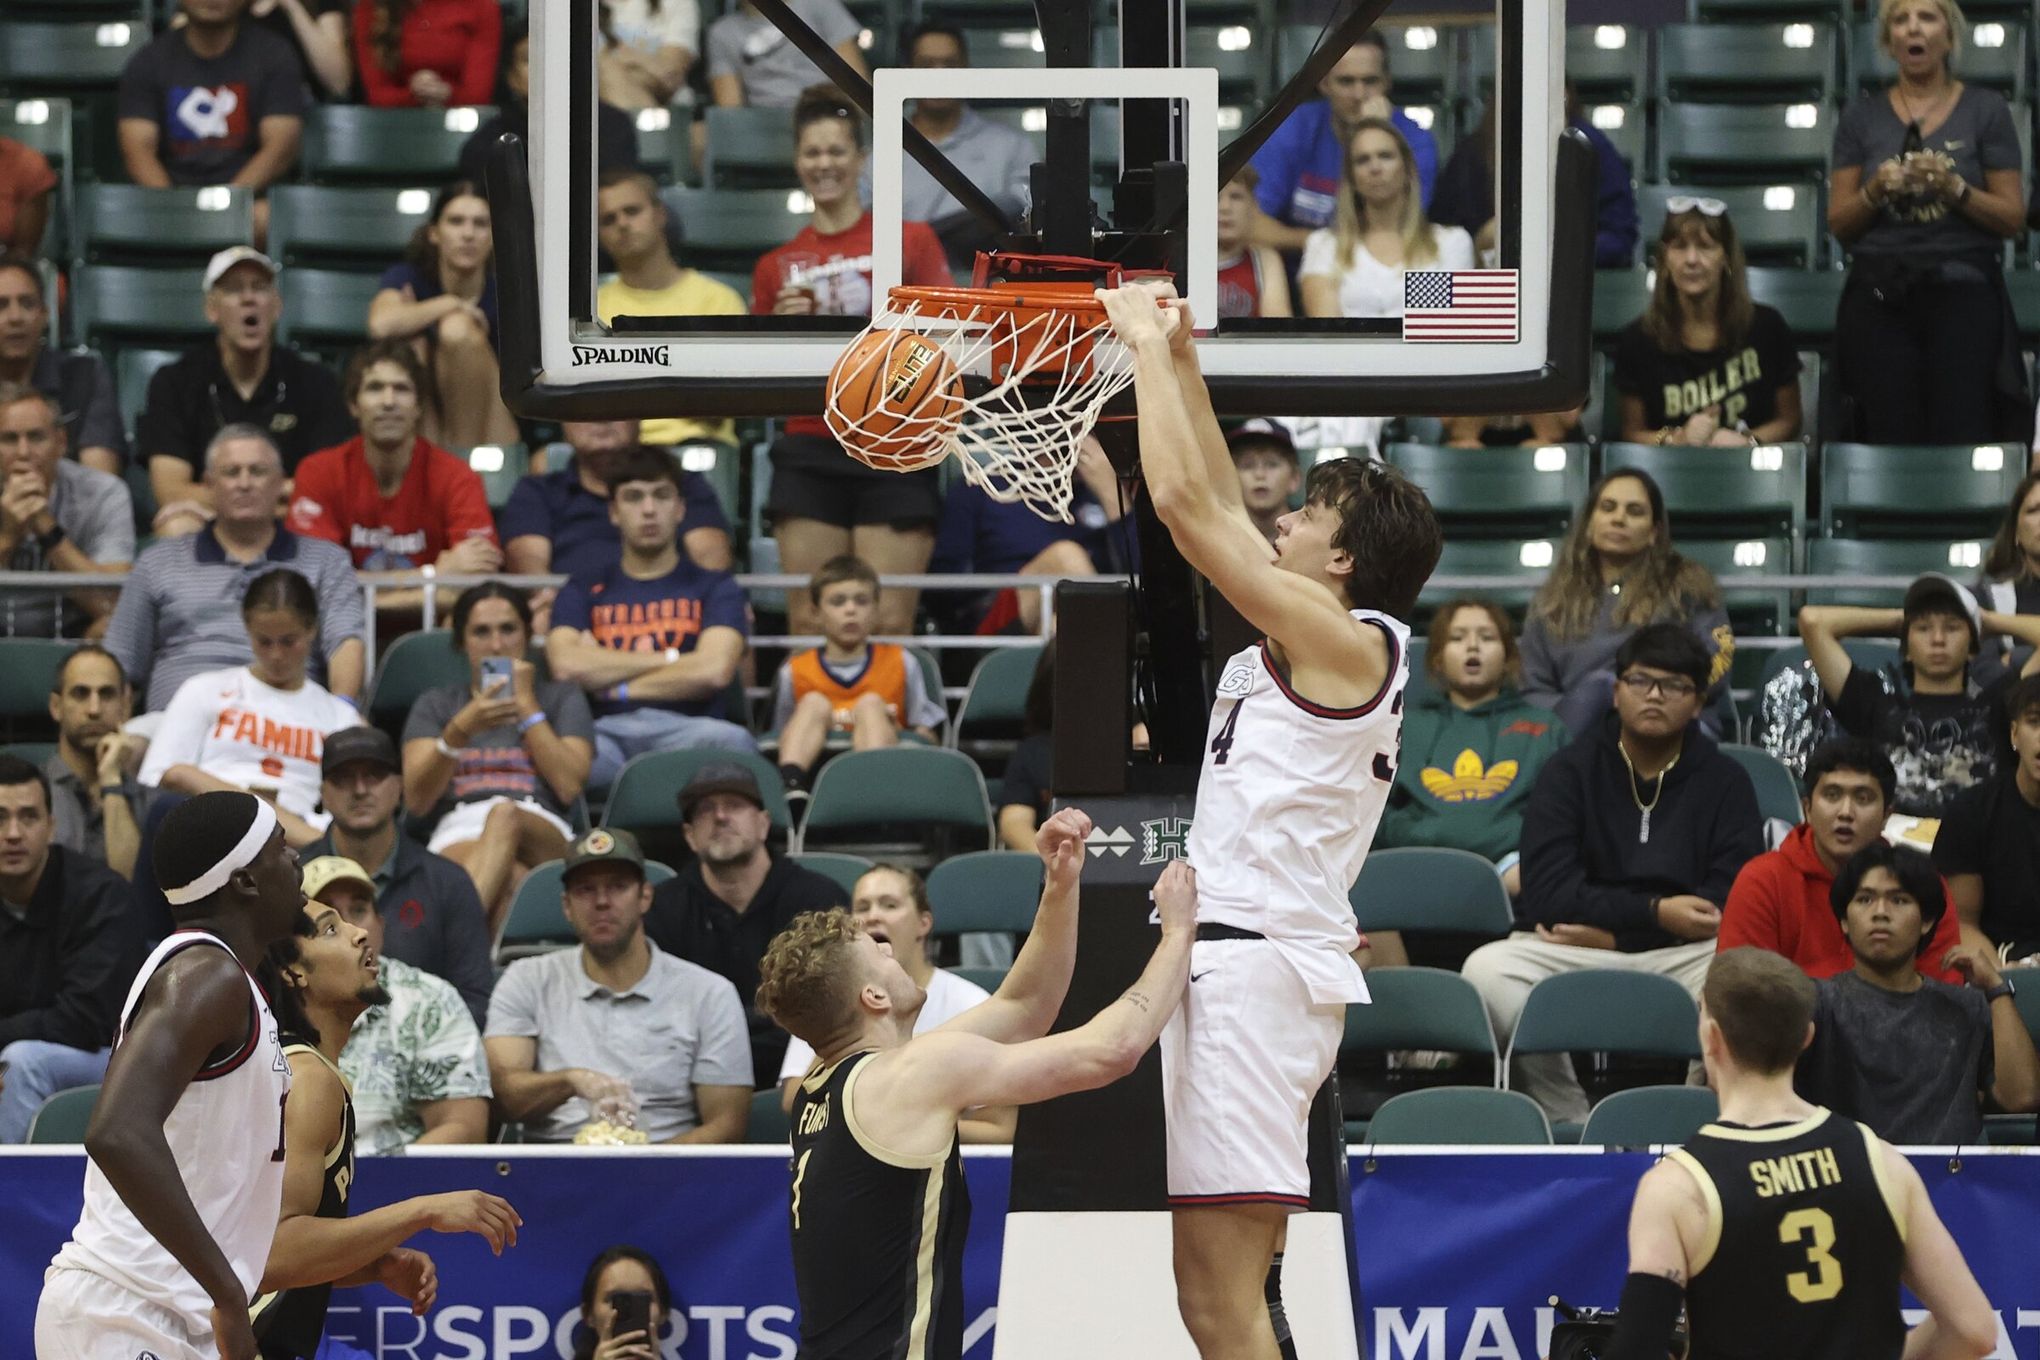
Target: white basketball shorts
83,1316
1242,1060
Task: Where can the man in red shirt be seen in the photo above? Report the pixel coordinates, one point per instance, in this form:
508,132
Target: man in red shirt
1780,900
394,500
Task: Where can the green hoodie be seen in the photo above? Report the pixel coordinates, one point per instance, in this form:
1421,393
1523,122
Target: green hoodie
1466,774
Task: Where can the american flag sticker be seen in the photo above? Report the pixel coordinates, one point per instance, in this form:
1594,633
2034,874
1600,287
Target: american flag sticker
1460,306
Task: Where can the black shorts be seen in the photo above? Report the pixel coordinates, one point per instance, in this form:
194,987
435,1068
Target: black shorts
812,478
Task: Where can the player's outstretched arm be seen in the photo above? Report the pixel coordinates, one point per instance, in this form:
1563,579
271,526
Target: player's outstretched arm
1667,1215
1960,1324
196,1005
1031,996
953,1070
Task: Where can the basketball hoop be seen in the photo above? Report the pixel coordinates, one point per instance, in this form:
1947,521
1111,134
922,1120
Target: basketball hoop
1023,369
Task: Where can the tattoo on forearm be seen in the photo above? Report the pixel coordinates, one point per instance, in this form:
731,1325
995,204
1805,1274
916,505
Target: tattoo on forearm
1136,997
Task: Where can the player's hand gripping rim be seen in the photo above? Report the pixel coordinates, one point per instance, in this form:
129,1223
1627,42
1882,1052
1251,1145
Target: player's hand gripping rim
1144,312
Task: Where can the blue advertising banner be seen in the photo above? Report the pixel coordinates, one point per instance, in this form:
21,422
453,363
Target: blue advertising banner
1458,1251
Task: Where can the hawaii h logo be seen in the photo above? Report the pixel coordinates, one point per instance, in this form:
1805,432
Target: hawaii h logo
1164,839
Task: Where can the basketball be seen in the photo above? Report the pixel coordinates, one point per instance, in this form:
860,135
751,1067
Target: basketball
894,399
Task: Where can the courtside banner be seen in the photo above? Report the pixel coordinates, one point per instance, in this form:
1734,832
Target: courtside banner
1458,1251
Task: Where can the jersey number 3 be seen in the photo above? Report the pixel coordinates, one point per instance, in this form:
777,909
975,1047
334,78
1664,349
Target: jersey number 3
1813,1229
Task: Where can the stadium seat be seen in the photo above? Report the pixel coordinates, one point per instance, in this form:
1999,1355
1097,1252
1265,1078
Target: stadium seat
1917,491
536,924
1743,143
344,227
1627,129
665,138
1431,889
996,701
1718,493
1498,493
1620,295
733,227
1460,1114
1008,45
1893,557
1603,1010
1528,559
749,148
1805,298
116,304
66,57
644,800
2028,1001
1243,67
132,370
985,890
1650,1116
1779,225
1419,1008
326,309
35,753
1753,611
500,466
1777,790
1746,63
1993,55
1606,63
354,144
409,666
126,223
64,1117
1765,11
28,673
769,1121
843,870
922,787
1875,653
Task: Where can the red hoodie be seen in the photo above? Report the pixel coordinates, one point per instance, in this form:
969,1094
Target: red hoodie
1780,903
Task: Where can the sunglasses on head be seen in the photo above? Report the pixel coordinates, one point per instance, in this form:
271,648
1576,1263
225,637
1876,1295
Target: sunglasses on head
1685,203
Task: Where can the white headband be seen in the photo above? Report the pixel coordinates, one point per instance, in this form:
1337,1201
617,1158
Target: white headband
240,857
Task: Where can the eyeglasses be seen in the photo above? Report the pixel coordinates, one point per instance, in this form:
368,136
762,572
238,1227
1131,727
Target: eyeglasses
1685,203
1670,686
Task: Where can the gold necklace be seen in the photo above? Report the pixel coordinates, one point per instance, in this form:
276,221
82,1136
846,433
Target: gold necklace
1643,826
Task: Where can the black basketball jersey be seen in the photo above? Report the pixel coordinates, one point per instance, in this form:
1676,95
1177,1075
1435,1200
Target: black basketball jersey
877,1235
1807,1247
290,1323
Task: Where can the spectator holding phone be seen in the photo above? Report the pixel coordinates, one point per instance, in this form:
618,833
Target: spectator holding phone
625,1302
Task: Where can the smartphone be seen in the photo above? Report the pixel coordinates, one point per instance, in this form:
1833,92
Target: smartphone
633,1311
496,674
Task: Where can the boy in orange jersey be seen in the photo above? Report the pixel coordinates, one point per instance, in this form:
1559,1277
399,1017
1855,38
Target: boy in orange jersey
849,683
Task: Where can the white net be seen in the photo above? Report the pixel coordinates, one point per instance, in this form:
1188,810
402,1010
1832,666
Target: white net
1046,375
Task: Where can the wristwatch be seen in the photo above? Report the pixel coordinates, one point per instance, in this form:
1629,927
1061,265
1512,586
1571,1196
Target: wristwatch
2004,988
48,542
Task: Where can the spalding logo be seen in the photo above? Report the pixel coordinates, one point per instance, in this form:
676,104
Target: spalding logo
627,354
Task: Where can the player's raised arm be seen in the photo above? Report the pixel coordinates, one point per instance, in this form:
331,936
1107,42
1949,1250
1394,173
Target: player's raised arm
1031,996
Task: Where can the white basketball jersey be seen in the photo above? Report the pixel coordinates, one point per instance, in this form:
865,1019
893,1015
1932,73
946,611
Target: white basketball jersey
226,1134
1287,804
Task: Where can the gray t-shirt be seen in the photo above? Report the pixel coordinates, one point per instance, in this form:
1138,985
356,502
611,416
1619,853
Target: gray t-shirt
744,43
991,155
496,763
1978,136
1908,1064
96,513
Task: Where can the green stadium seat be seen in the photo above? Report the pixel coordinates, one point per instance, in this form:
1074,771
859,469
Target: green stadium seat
1778,224
1431,889
499,466
64,1117
536,923
1777,790
1606,63
354,144
44,125
1604,1010
1875,653
665,139
1628,130
1752,610
749,148
28,674
1806,298
409,666
996,701
1620,295
924,788
769,1121
121,304
1528,560
1895,557
645,799
1754,492
1765,11
66,57
1420,56
1243,69
842,870
1650,1116
127,223
346,227
1498,493
326,309
732,227
1460,1115
1419,1008
1001,46
132,370
985,890
1746,63
1743,143
35,753
1993,55
1917,491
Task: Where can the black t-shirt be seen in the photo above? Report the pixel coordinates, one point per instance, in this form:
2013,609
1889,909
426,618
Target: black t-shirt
1908,1064
277,21
1992,831
298,402
1743,380
209,110
1940,744
1027,775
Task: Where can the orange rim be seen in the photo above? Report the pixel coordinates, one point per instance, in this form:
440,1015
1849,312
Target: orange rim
1073,303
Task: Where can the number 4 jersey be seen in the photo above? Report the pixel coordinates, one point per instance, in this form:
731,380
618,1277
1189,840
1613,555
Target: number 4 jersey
1807,1250
1287,803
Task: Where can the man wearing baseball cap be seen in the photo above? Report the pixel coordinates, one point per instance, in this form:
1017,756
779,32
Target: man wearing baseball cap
1943,732
1264,455
724,908
240,377
617,1031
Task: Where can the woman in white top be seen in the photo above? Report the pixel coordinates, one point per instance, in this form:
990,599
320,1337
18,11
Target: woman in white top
1355,266
260,728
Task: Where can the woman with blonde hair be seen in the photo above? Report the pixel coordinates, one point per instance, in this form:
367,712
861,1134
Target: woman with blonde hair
1925,192
1354,267
1705,365
1616,572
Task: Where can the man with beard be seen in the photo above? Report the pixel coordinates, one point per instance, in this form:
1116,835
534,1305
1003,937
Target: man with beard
77,382
323,977
97,805
724,909
617,1032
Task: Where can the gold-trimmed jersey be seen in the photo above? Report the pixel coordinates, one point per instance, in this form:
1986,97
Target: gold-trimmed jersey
877,1234
291,1322
1805,1244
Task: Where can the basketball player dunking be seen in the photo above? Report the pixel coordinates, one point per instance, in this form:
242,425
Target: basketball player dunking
186,1142
1787,1229
1301,757
879,1207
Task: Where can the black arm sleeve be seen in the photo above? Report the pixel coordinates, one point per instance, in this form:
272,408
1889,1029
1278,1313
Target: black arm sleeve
1648,1317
